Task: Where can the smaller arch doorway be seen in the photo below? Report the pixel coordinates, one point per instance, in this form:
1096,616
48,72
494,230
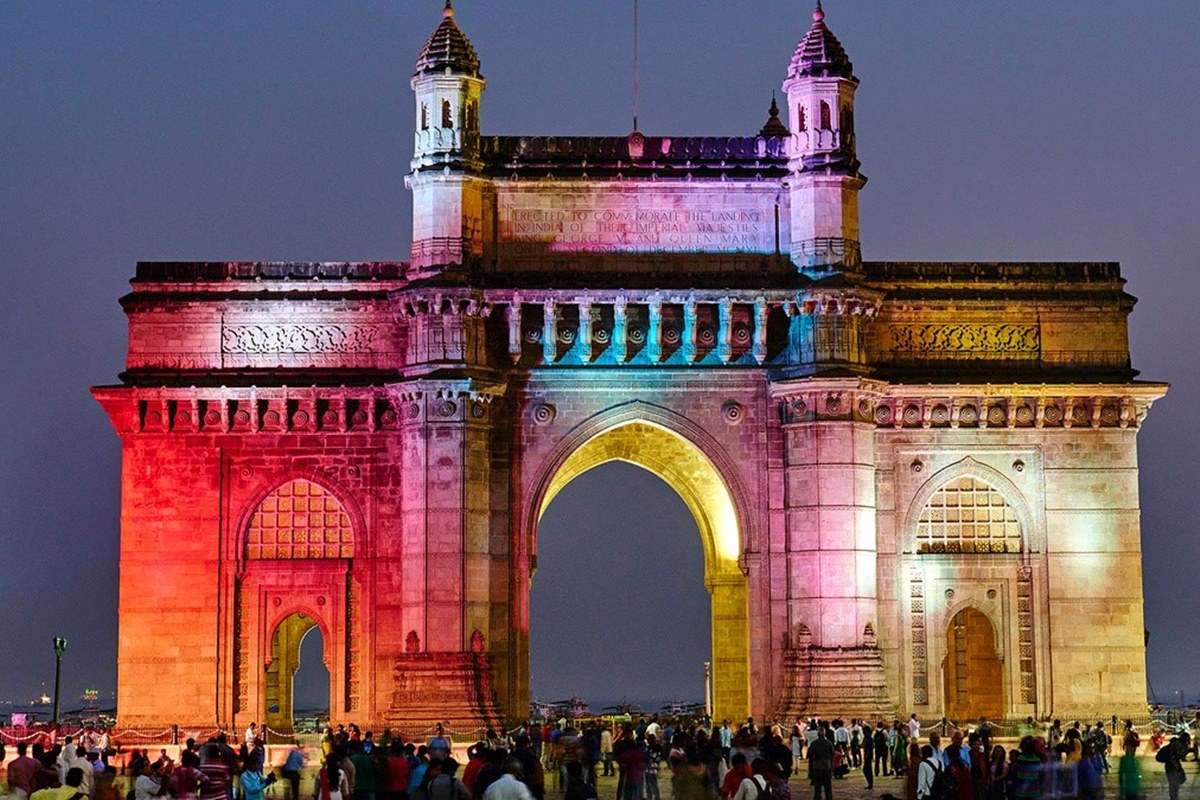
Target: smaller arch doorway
296,681
972,671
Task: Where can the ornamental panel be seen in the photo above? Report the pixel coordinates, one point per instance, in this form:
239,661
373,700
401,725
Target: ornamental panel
300,519
968,516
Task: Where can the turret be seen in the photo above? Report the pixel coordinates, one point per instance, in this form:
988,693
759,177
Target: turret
447,201
825,179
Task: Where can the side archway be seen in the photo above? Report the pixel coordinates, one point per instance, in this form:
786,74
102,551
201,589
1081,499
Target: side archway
972,672
690,472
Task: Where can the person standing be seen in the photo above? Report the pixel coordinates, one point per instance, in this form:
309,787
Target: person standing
632,763
606,749
820,765
509,787
914,728
332,783
754,786
363,781
653,761
218,777
577,787
797,742
881,750
292,767
868,767
856,738
1129,776
726,740
1171,757
21,771
927,773
444,785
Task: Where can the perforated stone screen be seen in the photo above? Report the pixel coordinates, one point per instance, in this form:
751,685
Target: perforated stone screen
968,516
300,519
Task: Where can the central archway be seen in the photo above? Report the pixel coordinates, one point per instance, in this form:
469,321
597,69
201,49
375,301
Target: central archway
686,469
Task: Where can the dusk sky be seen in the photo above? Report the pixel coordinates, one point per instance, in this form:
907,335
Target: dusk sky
282,130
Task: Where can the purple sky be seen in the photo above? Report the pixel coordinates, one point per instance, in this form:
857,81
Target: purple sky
272,130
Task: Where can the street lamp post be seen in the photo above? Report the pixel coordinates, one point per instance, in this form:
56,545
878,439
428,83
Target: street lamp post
708,709
60,647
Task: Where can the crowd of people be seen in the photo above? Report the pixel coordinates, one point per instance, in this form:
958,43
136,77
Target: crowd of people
698,761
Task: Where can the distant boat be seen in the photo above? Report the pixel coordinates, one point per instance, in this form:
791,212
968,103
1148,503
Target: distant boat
678,708
573,708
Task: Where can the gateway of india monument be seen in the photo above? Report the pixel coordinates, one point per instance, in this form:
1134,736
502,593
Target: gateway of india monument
915,483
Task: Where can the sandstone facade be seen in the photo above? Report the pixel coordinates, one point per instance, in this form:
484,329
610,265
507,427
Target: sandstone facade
905,475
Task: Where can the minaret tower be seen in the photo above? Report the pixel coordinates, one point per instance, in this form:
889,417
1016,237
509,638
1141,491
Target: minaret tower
825,179
447,191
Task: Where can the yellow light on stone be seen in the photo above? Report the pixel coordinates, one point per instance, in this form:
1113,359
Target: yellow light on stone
687,470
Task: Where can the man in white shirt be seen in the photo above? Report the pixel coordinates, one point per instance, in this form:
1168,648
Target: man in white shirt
251,734
914,728
841,736
507,787
927,773
654,729
751,788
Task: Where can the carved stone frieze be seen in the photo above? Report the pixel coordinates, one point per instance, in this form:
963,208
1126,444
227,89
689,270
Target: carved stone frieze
967,337
298,338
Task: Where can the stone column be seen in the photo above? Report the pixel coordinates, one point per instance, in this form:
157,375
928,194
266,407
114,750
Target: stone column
829,508
549,332
618,334
725,329
654,331
760,329
689,330
585,330
513,317
442,674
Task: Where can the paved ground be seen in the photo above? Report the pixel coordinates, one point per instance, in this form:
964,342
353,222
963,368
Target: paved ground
855,788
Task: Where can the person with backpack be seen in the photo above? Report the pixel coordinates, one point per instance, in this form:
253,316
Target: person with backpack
1171,757
755,787
778,782
929,775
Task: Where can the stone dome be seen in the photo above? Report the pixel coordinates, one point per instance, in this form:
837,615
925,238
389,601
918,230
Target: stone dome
819,54
448,49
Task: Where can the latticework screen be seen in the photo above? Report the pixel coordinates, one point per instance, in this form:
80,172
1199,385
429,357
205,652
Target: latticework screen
300,520
968,516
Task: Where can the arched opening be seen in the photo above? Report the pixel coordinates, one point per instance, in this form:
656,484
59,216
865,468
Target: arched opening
296,684
972,672
310,685
447,115
826,117
618,561
685,468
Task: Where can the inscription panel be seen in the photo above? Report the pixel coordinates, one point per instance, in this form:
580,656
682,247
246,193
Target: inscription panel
535,222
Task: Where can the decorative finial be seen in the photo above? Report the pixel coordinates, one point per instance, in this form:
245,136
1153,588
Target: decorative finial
448,11
818,12
774,110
